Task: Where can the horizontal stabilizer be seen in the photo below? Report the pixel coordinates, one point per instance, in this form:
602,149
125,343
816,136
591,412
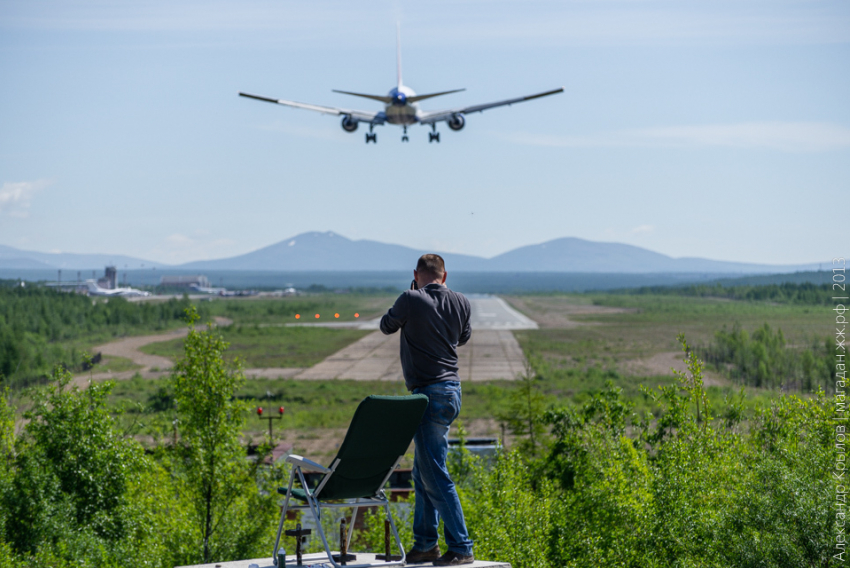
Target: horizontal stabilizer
383,99
417,98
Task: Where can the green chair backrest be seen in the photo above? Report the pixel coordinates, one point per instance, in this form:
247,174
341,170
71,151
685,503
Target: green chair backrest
380,432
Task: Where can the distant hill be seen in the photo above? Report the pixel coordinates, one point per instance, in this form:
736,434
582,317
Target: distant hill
570,254
331,251
328,251
15,258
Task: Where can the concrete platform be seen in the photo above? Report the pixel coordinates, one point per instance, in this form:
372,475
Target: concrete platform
321,559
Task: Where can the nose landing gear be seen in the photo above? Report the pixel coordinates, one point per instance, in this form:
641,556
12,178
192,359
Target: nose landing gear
404,137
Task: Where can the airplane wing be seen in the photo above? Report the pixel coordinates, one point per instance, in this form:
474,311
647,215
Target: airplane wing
359,115
437,116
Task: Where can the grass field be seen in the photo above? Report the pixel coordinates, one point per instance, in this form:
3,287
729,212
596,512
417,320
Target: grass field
611,329
272,346
585,340
263,310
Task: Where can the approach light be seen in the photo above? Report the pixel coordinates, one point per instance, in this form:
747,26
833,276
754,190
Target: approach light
259,411
336,315
357,315
280,409
317,316
297,316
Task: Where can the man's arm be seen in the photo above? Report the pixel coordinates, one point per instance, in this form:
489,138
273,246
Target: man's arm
396,316
466,332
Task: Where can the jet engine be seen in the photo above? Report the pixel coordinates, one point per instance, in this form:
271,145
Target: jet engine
456,122
349,124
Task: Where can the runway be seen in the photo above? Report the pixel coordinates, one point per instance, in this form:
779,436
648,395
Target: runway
492,354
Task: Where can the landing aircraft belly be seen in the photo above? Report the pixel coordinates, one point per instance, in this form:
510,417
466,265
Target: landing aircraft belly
401,114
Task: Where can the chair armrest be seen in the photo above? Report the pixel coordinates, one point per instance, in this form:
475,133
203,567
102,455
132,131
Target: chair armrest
305,464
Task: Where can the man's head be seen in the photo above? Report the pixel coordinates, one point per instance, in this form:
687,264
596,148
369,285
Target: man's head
430,269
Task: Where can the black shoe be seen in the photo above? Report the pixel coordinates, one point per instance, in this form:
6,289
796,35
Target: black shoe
452,558
420,556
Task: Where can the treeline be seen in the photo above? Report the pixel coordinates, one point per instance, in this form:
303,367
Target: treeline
787,293
764,360
38,326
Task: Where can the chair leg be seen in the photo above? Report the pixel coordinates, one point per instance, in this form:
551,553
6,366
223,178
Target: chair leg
351,527
317,516
283,519
395,532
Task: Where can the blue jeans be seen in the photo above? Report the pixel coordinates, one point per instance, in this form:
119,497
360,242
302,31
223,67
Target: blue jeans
436,496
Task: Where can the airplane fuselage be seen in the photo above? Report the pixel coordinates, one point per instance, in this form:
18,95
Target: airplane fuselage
399,110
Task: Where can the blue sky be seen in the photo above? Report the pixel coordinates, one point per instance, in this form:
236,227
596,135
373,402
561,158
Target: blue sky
702,128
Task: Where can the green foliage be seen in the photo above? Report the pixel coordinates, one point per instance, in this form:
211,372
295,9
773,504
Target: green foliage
228,511
805,293
510,515
524,414
677,487
764,360
38,327
66,497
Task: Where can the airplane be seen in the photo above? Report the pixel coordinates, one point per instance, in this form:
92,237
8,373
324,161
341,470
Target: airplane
401,108
95,290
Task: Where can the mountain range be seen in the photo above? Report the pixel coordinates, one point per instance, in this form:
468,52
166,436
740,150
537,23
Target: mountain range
329,251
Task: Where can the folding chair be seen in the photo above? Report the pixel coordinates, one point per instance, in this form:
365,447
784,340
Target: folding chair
377,438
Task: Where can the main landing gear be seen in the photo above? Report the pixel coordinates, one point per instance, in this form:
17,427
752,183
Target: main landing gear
371,136
433,136
404,137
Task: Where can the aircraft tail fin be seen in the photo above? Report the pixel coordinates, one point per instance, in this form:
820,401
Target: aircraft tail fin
398,51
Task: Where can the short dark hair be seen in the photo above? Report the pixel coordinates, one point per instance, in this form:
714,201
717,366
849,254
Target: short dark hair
433,264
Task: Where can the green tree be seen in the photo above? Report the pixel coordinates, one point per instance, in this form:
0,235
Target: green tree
229,511
524,416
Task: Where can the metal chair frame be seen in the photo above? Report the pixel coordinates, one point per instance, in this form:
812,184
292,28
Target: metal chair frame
299,465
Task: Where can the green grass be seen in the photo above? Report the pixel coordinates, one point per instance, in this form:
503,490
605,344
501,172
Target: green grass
114,364
651,325
283,310
572,363
266,347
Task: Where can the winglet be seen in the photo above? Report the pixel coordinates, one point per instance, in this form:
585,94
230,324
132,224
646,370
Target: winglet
398,50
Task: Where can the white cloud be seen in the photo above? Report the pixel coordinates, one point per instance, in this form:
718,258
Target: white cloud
15,197
781,136
643,229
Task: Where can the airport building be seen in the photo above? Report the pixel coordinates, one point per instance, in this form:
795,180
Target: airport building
110,278
198,281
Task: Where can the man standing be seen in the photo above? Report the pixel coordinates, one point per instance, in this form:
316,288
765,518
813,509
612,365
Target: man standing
434,321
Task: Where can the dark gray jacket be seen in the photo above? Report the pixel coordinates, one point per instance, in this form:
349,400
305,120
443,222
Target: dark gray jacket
434,321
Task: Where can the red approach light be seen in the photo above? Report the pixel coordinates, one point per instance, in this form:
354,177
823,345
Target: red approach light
357,315
317,316
259,411
297,316
336,315
281,409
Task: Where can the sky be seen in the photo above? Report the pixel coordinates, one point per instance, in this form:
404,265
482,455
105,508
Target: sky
715,129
